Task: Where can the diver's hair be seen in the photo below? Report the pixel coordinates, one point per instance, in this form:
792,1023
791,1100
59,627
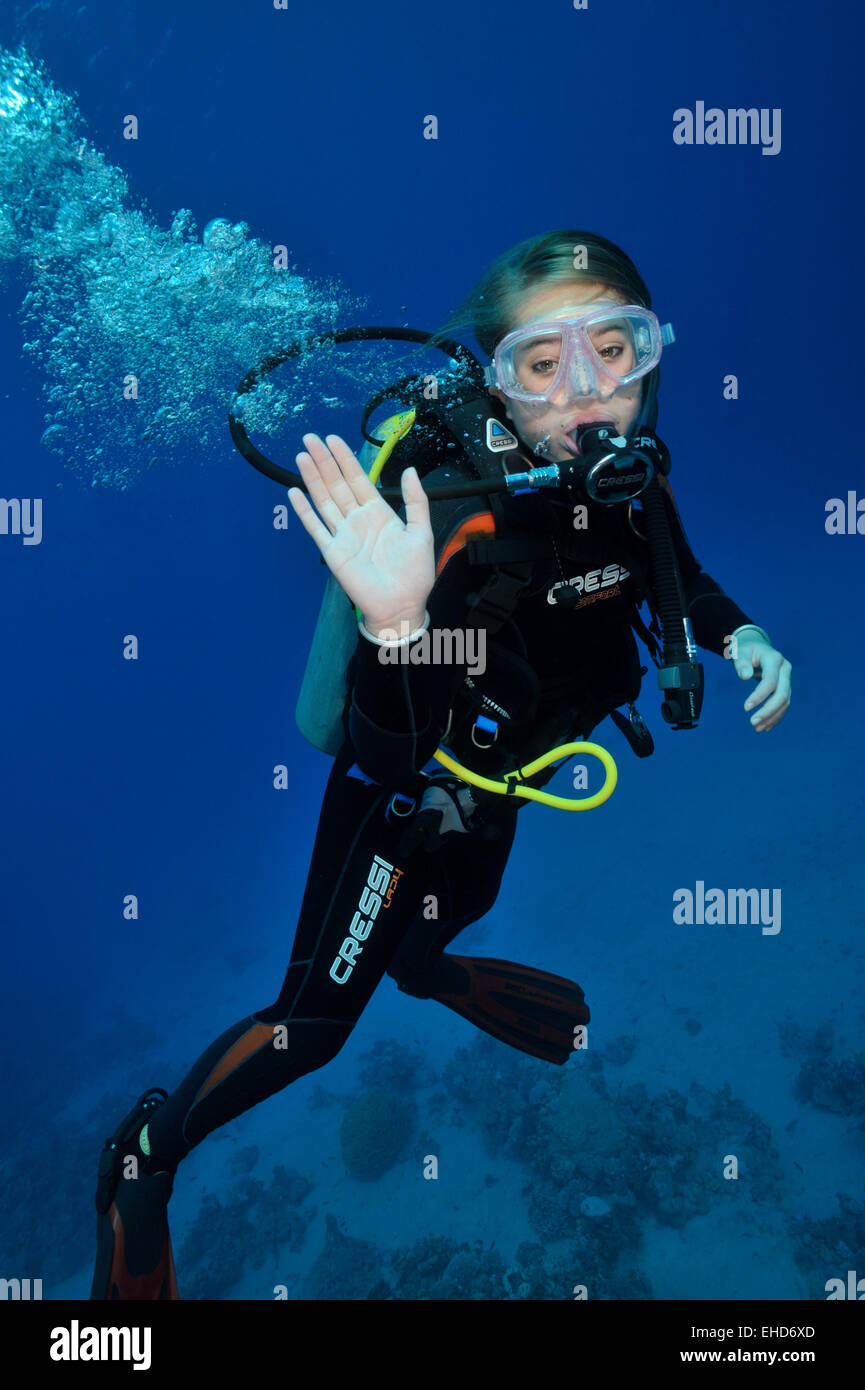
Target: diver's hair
489,310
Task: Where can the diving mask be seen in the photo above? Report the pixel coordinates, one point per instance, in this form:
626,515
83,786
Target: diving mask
596,351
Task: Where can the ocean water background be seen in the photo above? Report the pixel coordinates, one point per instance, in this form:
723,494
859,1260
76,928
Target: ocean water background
155,777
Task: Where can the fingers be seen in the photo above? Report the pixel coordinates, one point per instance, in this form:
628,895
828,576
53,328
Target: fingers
319,492
771,714
334,476
776,678
747,657
416,502
316,529
773,686
337,484
351,469
769,669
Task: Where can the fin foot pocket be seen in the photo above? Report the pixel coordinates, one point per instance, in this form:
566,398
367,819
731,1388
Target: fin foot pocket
529,1009
133,1246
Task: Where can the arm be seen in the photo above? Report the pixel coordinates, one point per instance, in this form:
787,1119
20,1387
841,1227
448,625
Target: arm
720,626
714,615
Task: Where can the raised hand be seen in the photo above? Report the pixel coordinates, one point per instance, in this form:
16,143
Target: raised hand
386,566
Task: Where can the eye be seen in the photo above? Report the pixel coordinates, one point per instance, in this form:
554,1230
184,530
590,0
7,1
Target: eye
545,365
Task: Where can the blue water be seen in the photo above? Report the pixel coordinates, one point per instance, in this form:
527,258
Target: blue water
153,777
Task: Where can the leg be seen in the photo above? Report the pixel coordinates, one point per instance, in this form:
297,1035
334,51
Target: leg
360,896
464,877
530,1009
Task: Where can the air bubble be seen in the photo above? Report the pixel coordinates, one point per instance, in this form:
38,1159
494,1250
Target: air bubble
112,295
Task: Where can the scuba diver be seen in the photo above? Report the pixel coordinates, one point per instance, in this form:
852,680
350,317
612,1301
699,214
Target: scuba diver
549,576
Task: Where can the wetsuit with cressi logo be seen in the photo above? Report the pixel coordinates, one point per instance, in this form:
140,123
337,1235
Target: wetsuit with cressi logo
555,670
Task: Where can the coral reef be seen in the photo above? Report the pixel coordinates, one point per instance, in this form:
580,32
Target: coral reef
835,1084
374,1133
320,1098
394,1066
215,1249
228,1236
620,1049
346,1268
827,1249
828,1078
243,1162
418,1268
441,1268
635,1155
48,1221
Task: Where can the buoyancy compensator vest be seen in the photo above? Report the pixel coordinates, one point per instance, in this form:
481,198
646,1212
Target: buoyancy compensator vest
456,436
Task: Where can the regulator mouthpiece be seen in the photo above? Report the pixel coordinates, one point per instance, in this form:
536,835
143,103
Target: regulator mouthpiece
612,468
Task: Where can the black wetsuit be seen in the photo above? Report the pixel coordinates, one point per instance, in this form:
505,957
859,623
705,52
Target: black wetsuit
363,910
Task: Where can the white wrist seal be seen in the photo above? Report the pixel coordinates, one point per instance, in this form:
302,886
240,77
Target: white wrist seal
395,641
752,627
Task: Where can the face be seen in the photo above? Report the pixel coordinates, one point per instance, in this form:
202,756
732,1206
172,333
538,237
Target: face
547,427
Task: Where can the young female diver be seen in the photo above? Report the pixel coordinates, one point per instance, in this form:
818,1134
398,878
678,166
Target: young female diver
570,348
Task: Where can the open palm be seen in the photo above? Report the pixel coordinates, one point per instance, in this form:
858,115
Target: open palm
386,566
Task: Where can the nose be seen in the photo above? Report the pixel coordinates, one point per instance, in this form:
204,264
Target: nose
582,379
580,376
